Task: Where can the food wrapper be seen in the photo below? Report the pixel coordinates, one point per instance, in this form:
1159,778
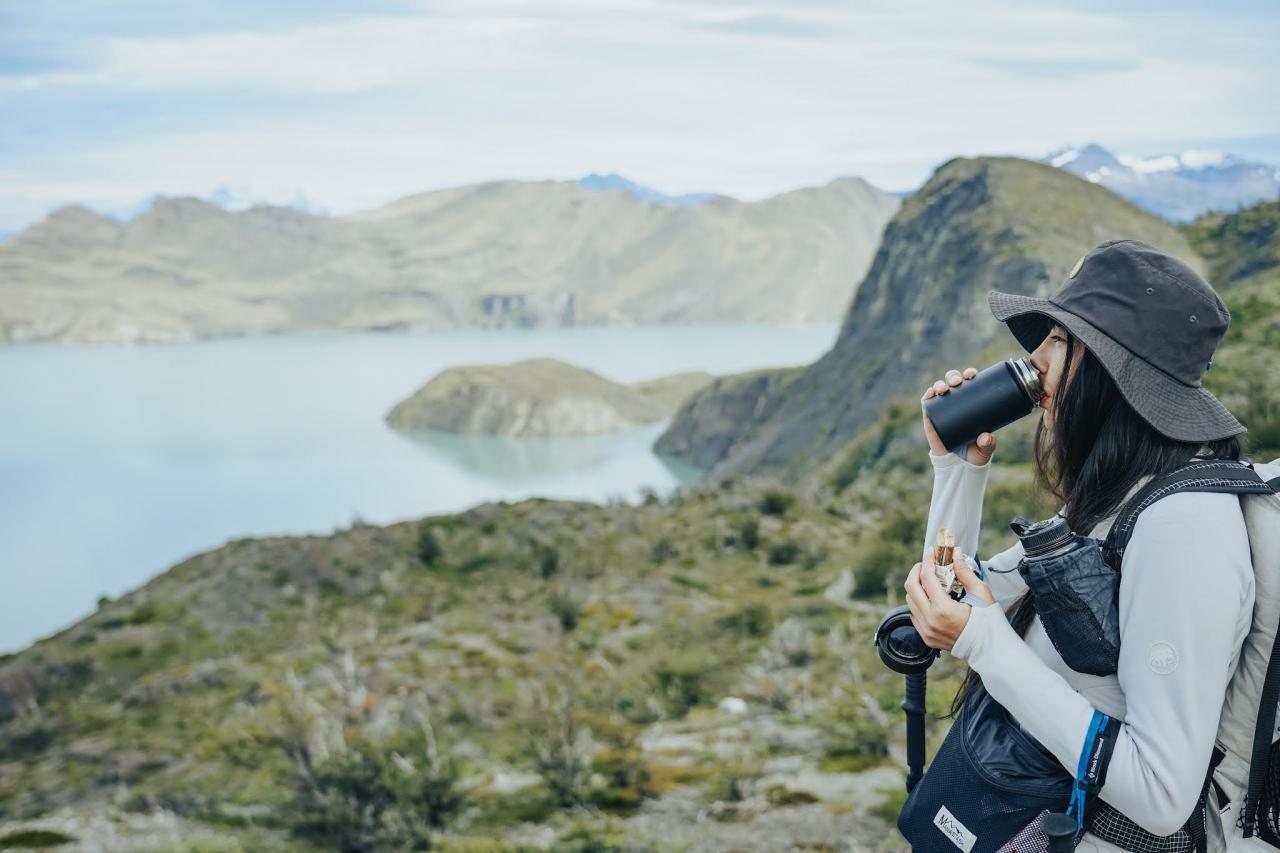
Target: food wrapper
944,563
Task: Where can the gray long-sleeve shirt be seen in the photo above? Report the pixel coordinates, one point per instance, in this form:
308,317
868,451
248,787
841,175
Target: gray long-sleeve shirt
1186,597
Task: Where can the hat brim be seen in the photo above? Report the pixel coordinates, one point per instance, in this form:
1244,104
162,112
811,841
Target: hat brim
1181,412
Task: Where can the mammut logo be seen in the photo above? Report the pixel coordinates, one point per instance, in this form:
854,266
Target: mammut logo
1162,658
954,830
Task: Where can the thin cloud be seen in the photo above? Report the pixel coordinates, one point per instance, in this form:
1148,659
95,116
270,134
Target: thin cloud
736,96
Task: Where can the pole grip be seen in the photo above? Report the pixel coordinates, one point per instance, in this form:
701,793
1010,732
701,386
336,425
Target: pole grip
1060,829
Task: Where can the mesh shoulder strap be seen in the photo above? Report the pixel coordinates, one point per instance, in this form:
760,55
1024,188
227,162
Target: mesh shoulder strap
1199,475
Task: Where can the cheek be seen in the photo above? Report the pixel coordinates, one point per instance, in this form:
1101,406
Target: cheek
1055,367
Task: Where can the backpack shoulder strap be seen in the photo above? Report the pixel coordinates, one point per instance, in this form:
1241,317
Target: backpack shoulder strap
1199,475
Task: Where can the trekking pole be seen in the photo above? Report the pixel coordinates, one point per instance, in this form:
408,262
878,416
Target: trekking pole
902,650
913,705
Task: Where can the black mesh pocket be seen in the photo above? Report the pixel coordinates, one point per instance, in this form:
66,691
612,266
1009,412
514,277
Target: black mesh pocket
1075,596
1269,804
988,782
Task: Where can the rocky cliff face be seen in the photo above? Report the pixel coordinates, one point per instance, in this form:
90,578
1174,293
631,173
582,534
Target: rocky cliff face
977,225
498,254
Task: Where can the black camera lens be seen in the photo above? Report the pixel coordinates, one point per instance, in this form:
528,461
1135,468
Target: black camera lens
901,647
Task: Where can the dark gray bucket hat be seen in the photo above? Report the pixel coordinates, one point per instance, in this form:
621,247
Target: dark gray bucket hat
1152,322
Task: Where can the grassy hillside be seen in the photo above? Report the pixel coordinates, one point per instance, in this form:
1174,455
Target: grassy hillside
549,675
1243,252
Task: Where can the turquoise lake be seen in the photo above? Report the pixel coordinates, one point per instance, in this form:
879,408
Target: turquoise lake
117,462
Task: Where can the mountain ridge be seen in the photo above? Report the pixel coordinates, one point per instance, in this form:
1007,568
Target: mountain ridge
978,224
495,254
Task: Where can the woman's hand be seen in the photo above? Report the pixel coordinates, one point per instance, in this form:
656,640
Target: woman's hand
978,452
936,616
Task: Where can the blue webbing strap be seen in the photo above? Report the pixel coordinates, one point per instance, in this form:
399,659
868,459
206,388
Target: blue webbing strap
1091,772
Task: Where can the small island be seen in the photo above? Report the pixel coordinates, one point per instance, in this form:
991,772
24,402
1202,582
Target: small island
539,397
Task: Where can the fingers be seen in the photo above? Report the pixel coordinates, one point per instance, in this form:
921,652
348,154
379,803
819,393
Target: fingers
970,580
929,580
916,599
950,379
917,617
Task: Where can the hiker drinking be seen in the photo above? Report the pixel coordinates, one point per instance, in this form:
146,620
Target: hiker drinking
1101,646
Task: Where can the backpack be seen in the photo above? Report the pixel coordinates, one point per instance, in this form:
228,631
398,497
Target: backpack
1242,786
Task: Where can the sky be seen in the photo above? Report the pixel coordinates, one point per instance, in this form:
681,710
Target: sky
107,102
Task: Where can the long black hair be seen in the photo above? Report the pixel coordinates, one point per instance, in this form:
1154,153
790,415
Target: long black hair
1097,450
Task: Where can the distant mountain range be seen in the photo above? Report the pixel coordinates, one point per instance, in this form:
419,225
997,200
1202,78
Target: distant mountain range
234,197
614,181
1178,187
501,253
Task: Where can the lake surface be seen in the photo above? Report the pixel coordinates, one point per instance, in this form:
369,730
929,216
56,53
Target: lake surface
117,462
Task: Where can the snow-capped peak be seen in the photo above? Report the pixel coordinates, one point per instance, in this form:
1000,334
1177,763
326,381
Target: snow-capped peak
1176,186
1147,165
1193,158
1199,158
1063,157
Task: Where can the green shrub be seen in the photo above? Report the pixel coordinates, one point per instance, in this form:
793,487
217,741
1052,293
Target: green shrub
567,610
548,562
748,531
889,550
663,549
682,681
34,838
783,553
375,797
429,550
754,620
690,583
143,614
776,502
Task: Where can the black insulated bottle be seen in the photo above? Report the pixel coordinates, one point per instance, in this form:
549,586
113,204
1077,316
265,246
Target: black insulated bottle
997,396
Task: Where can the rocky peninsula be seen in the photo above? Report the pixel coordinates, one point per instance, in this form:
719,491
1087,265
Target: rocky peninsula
538,397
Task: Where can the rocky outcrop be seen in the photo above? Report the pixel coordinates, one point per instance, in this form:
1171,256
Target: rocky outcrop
708,424
492,255
991,223
538,397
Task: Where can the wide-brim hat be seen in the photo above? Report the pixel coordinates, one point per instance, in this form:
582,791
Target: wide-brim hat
1151,321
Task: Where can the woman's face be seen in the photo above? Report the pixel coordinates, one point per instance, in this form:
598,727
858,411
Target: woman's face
1050,360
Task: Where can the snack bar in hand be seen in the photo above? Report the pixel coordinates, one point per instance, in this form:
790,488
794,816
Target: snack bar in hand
944,563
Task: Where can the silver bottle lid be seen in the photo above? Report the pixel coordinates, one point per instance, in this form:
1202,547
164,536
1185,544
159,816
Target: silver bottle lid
1028,378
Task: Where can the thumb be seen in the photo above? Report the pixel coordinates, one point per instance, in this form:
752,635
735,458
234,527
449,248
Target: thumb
981,449
969,580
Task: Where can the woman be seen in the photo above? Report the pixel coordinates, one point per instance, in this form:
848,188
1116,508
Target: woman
1120,349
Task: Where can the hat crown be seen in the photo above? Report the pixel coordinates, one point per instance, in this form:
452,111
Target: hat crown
1149,302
